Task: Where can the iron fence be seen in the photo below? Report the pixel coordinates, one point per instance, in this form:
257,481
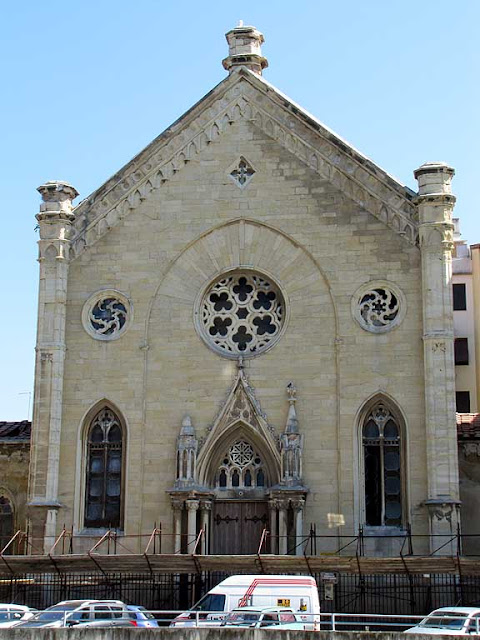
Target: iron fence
396,594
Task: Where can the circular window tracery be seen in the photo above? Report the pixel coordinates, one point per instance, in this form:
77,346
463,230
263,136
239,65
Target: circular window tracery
241,313
241,468
378,307
106,315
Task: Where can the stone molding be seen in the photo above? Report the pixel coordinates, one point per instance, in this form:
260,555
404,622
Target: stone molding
240,407
244,96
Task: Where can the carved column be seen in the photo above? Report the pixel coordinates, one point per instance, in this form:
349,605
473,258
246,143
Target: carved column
298,506
192,505
282,527
177,506
435,204
272,507
205,508
54,223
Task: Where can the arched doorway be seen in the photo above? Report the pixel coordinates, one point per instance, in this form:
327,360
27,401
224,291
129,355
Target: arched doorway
240,508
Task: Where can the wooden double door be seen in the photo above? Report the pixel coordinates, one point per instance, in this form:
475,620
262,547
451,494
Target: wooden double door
237,527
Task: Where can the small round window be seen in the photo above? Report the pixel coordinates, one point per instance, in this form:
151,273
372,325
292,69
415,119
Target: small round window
378,306
106,315
241,313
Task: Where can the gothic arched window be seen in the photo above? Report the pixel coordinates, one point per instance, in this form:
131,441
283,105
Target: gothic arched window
382,468
103,501
241,468
6,522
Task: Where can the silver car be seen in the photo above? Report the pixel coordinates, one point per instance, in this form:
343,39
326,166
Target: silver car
12,614
277,618
92,613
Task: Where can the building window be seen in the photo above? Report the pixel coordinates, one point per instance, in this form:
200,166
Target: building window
463,401
241,468
241,313
459,297
382,468
461,351
378,306
6,522
104,471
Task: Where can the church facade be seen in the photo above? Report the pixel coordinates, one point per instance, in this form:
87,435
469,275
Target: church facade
248,328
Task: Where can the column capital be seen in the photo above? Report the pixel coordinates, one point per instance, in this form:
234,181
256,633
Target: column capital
434,178
206,505
298,504
57,197
177,504
192,504
442,508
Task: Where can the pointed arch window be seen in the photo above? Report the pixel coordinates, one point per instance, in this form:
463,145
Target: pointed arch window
241,467
103,503
6,522
382,457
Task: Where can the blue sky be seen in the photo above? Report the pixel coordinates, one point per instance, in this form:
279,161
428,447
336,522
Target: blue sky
86,85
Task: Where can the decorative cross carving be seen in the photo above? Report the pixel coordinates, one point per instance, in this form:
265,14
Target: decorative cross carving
243,172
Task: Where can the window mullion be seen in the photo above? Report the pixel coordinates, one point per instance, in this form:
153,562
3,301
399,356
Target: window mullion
382,478
104,484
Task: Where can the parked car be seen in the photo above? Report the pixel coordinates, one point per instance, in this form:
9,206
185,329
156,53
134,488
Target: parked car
12,614
263,618
70,613
141,616
450,621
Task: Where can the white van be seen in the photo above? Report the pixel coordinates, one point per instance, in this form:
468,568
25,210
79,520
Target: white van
297,593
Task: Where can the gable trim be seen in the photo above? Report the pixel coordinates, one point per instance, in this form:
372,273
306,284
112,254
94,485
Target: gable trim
246,98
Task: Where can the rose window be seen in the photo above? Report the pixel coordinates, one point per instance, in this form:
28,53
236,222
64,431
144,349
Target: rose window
378,308
241,314
106,315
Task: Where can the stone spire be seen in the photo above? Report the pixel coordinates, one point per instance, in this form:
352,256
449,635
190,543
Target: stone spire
291,444
187,445
244,49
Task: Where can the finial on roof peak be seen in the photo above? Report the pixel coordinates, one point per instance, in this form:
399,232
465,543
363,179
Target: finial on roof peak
244,49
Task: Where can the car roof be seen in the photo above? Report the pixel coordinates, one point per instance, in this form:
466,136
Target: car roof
79,603
20,607
263,609
242,580
457,610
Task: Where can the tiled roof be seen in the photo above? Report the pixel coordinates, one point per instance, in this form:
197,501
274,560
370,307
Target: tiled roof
16,431
468,425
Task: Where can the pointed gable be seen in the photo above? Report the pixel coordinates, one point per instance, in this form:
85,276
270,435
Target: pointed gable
245,95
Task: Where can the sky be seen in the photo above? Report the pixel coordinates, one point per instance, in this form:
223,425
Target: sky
87,85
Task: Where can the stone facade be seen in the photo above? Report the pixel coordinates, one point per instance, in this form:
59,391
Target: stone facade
249,185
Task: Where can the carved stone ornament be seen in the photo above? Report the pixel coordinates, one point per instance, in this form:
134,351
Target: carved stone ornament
442,508
241,172
378,306
107,314
241,313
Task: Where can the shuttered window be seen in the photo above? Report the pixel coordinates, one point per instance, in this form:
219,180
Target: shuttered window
461,351
459,297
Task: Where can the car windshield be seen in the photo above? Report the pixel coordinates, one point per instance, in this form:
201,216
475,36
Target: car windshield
210,602
57,612
243,617
445,620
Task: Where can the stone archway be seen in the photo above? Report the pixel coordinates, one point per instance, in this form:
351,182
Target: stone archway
240,485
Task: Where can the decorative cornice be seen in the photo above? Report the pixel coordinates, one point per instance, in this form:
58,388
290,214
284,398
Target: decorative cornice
244,96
